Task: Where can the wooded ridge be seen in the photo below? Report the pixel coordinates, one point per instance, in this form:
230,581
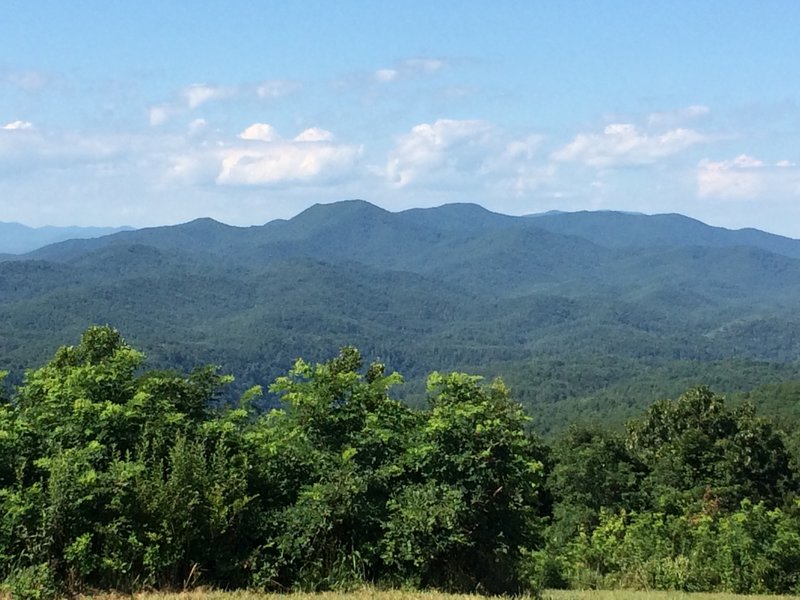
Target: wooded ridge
592,315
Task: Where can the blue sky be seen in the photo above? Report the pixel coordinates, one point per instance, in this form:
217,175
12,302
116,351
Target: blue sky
157,112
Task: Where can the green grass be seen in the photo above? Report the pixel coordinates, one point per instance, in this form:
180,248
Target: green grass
649,595
363,594
374,594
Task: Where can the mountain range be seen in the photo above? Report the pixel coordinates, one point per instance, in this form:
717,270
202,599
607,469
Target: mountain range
589,314
16,238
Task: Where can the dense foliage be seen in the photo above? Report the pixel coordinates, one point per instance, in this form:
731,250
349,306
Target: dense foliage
116,477
112,477
695,496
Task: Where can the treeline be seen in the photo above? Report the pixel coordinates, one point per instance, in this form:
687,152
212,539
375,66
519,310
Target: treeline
114,477
695,496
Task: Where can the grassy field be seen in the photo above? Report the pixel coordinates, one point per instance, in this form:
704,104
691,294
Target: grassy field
371,594
636,595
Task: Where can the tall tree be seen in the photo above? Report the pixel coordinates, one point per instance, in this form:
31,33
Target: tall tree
697,447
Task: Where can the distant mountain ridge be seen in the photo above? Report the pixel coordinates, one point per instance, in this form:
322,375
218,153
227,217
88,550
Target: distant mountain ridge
565,306
16,238
619,230
610,229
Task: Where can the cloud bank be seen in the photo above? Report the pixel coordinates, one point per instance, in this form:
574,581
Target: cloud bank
623,144
747,178
311,157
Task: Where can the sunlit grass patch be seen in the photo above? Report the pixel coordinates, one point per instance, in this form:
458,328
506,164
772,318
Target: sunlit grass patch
363,594
649,595
376,594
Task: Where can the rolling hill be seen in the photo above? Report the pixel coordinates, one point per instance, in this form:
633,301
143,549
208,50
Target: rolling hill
583,313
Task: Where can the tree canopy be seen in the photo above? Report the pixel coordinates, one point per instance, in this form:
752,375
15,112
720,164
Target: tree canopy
114,476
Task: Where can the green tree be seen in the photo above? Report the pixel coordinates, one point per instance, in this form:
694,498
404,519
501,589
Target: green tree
114,479
470,507
330,460
697,446
593,469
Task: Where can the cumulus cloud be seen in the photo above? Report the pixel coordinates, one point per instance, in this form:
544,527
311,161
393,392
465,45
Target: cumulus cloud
516,168
467,154
196,165
186,168
310,158
522,148
314,134
163,170
623,144
445,145
286,163
746,178
260,131
18,125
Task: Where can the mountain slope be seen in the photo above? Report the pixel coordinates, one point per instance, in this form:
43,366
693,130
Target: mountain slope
568,320
622,230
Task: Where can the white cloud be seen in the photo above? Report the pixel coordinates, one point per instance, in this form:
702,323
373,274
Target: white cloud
24,149
196,165
623,144
199,93
386,75
185,168
159,114
311,157
167,177
467,154
741,177
18,125
314,134
286,162
522,148
275,88
191,97
445,145
516,169
260,131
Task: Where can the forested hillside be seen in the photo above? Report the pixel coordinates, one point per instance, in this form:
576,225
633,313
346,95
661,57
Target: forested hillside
117,477
591,315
